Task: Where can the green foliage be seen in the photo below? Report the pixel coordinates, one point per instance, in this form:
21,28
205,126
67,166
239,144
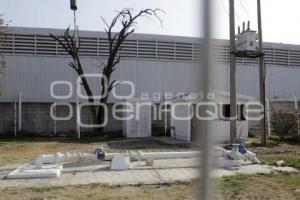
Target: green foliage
285,125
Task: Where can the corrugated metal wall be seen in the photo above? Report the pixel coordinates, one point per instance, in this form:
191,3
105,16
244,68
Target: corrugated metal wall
33,75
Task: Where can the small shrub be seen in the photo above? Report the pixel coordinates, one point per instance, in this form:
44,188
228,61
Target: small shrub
285,125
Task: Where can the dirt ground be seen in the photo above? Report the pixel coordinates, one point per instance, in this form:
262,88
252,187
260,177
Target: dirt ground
273,186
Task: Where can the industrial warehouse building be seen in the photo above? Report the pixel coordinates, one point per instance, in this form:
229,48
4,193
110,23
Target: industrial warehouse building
156,64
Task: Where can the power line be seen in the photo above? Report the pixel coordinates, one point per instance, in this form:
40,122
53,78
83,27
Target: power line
245,10
224,7
227,12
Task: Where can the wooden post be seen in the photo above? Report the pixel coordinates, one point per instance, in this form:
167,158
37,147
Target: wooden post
262,75
233,106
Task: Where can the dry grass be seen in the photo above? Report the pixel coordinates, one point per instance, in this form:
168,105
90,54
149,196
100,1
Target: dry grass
275,186
13,152
177,191
25,150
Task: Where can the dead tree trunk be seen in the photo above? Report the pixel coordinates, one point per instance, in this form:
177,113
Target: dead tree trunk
69,45
115,41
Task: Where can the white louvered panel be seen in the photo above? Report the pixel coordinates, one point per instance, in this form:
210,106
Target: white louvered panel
24,44
250,61
83,52
165,45
281,57
147,49
6,45
196,52
162,44
165,53
219,54
239,60
184,51
184,57
294,58
60,49
165,50
88,46
227,54
45,45
87,51
88,40
127,53
130,44
91,42
103,47
269,57
129,49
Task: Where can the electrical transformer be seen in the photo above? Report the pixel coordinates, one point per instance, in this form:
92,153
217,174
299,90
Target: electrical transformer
246,41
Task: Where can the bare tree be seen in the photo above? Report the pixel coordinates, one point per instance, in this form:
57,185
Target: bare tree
128,22
68,42
3,38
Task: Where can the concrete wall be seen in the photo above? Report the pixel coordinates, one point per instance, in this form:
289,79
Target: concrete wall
36,119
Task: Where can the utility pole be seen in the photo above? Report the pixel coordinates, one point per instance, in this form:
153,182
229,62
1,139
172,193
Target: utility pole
205,140
262,75
233,106
73,6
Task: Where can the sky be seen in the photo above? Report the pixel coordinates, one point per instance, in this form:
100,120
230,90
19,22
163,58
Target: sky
182,17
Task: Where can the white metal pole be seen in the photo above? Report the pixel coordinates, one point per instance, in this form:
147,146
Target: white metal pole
166,122
167,155
54,110
77,118
15,117
297,114
20,112
268,116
